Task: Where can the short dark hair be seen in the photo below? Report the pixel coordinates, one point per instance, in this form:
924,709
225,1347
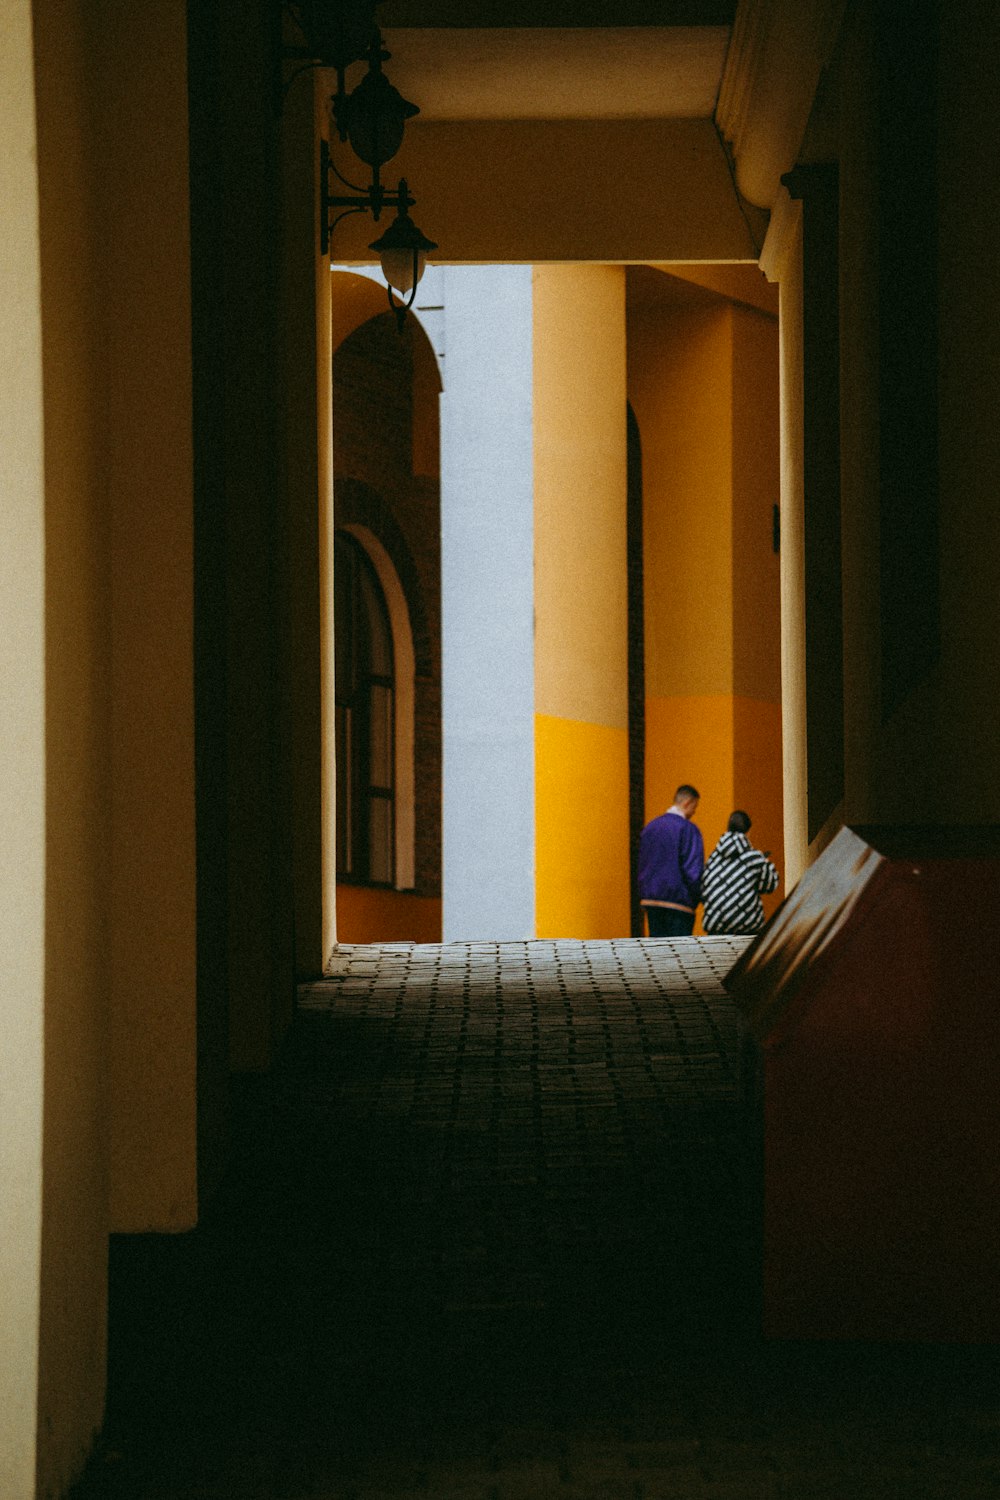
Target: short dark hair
687,793
739,822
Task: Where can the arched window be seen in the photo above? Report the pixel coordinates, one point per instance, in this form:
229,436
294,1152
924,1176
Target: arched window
365,719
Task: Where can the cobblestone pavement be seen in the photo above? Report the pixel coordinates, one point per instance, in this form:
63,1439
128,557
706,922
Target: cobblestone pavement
496,1242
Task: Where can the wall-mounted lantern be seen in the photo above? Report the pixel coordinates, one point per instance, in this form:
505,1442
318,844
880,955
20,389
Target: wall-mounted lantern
372,119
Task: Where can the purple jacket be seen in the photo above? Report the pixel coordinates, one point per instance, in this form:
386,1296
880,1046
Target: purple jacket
671,859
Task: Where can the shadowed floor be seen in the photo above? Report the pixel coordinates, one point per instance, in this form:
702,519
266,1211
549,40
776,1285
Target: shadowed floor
492,1237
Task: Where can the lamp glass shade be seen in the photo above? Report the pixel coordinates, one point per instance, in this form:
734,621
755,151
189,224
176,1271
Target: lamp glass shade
399,266
403,248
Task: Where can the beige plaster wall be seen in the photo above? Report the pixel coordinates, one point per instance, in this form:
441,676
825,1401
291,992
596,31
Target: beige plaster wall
22,759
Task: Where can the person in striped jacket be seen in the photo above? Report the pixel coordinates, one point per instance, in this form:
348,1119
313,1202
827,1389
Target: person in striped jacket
733,881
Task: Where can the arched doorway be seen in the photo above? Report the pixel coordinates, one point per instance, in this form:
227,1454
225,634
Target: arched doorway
386,515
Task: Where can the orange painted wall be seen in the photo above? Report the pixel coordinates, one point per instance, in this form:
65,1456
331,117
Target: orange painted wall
368,915
690,738
703,385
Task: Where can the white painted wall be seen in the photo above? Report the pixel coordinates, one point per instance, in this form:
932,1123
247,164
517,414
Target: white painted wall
487,548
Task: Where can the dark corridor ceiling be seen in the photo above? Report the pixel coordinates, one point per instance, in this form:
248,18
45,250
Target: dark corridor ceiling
545,13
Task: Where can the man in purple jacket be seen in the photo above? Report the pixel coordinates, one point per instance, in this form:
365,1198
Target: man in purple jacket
671,859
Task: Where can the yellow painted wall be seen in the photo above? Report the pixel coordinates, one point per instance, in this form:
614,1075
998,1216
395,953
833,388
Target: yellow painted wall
703,386
680,382
581,685
581,829
368,915
627,190
745,284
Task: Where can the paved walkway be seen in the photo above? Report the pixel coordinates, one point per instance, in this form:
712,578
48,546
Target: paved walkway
493,1240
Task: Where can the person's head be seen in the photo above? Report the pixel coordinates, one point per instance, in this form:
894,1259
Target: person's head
739,822
686,799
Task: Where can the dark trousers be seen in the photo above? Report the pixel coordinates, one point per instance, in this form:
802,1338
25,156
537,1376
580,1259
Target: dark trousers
664,922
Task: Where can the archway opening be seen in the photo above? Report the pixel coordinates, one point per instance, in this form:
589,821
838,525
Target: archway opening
386,518
600,599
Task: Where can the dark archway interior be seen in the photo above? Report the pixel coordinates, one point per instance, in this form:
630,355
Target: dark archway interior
492,1233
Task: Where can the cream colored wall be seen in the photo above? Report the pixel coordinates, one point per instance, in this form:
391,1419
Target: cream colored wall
22,759
581,626
145,290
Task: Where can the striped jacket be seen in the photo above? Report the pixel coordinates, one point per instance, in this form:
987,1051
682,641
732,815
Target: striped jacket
732,883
